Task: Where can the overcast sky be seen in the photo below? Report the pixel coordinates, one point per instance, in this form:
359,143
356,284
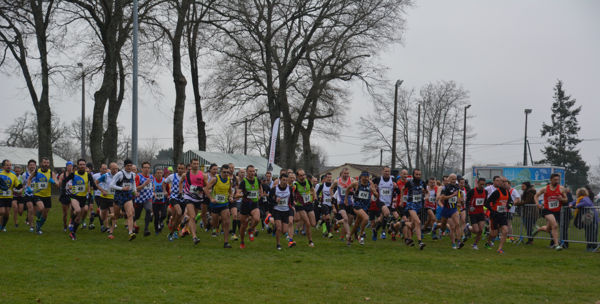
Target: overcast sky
507,54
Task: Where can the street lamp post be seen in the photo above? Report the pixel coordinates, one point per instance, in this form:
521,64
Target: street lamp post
527,112
464,141
398,83
79,64
134,89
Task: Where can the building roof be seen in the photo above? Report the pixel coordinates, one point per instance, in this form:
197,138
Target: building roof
20,156
239,160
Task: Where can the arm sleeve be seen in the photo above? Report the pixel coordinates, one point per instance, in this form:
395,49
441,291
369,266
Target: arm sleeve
319,190
137,180
470,196
117,178
91,181
495,195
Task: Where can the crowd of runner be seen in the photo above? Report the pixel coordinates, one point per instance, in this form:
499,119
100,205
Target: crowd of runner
236,205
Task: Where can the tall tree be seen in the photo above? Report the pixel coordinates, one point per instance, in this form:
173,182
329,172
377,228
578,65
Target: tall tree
25,27
563,138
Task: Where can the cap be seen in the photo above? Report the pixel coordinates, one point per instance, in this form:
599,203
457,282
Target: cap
364,173
69,163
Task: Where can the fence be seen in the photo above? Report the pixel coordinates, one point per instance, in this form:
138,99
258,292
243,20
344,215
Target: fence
576,225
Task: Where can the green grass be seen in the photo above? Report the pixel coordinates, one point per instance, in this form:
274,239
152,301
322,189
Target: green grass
53,269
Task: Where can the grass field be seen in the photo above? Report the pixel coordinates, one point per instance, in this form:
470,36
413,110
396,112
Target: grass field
53,269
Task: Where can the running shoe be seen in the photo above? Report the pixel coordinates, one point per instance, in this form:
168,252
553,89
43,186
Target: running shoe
361,241
111,237
170,237
196,241
421,245
32,230
488,246
454,246
242,245
92,226
500,251
132,236
175,235
558,248
278,247
72,236
291,244
103,229
213,234
330,235
146,233
311,244
475,247
40,232
234,237
461,245
251,237
374,237
383,236
226,245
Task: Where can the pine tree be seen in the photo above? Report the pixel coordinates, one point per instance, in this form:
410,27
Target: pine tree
562,134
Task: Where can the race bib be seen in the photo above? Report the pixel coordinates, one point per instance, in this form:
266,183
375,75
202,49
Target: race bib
306,198
149,186
220,198
386,191
452,201
363,195
41,185
78,188
160,195
479,202
553,204
6,193
417,198
327,200
130,185
432,198
253,194
343,191
194,189
501,209
282,201
111,191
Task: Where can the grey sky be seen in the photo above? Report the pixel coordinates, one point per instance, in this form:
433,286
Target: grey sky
508,54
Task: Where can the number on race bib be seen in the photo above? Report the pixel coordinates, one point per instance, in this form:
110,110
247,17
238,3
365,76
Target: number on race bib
160,195
327,200
252,194
194,188
6,193
479,202
42,185
78,188
343,192
553,204
501,208
282,201
417,198
386,191
363,195
306,198
128,185
452,201
220,198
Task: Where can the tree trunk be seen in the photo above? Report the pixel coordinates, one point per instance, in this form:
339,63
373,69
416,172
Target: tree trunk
193,54
180,83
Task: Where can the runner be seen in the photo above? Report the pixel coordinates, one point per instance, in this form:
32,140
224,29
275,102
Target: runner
496,183
159,202
175,201
325,194
78,186
431,203
554,196
499,202
516,199
449,196
250,191
64,199
191,186
106,199
144,183
213,169
219,191
282,196
476,200
416,190
124,185
18,204
462,198
345,201
97,195
303,194
385,187
236,205
8,182
40,183
27,193
362,198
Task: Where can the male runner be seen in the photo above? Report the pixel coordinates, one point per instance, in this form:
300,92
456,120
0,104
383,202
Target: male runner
159,201
124,184
175,200
362,199
106,199
282,196
250,191
219,191
499,203
303,194
475,202
40,183
144,183
78,186
7,185
385,187
416,190
554,196
449,196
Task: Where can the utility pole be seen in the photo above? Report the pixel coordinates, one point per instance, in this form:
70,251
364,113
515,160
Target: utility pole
245,136
464,141
82,110
380,157
134,89
398,83
527,112
418,135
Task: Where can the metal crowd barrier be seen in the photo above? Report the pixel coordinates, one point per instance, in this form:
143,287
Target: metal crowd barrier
576,225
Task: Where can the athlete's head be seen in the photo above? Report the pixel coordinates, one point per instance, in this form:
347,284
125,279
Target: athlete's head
213,169
504,182
283,180
345,173
180,168
452,179
128,165
224,170
431,182
268,176
31,165
300,175
134,169
45,164
250,171
114,168
282,171
461,182
158,173
195,164
445,180
497,181
145,168
242,173
480,183
364,177
81,166
6,165
403,174
328,177
416,174
555,179
291,178
18,170
103,168
385,173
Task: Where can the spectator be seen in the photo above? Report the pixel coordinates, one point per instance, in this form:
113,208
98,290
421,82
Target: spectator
528,209
586,217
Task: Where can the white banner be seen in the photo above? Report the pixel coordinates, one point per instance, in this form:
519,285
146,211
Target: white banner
273,145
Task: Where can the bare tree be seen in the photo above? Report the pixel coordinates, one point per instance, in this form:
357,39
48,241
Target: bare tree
25,27
228,141
23,132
